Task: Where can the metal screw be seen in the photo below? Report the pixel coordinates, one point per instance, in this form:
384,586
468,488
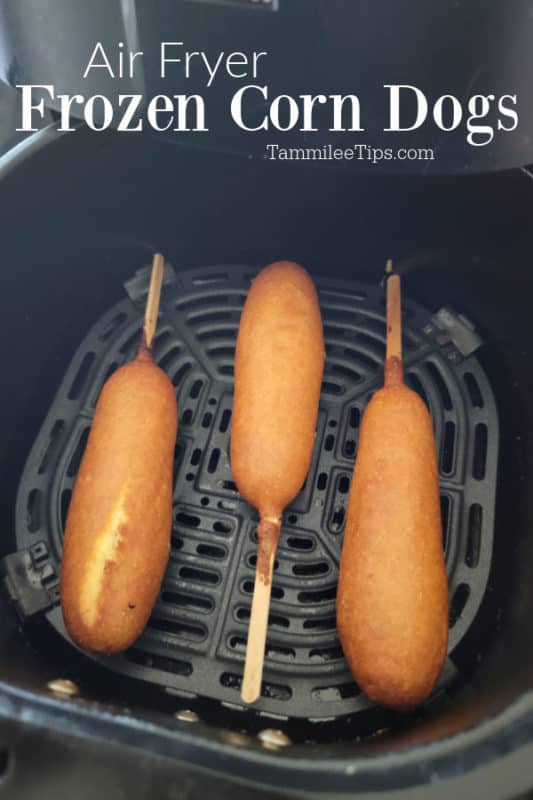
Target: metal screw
273,739
187,716
64,687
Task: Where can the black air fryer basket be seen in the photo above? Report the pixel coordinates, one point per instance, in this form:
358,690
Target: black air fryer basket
82,215
195,641
73,304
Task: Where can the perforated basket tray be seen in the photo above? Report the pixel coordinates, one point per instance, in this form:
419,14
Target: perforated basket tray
195,641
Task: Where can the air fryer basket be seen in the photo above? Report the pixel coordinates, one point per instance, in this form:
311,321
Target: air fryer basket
96,209
195,640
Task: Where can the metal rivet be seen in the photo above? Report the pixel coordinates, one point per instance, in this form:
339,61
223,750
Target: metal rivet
63,686
187,716
272,739
428,329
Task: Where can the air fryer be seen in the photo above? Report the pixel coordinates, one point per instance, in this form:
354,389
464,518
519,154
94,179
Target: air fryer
82,215
309,46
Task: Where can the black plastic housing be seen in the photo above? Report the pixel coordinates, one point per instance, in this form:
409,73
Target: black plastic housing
313,46
80,213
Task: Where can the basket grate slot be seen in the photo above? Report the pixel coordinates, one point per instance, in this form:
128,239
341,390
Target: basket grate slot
326,654
200,575
473,547
55,434
113,325
440,384
188,520
416,385
34,510
161,663
129,346
185,630
169,358
445,512
318,596
212,551
474,392
336,520
448,448
320,623
458,602
188,600
325,694
180,373
81,376
300,543
308,570
480,451
206,319
75,461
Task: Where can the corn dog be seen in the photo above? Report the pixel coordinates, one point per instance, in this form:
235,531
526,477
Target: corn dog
117,533
392,601
278,374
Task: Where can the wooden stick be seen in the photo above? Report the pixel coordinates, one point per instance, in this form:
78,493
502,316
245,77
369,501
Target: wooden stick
257,632
393,363
152,303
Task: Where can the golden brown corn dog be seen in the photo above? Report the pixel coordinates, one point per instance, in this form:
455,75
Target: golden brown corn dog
278,374
392,601
117,534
